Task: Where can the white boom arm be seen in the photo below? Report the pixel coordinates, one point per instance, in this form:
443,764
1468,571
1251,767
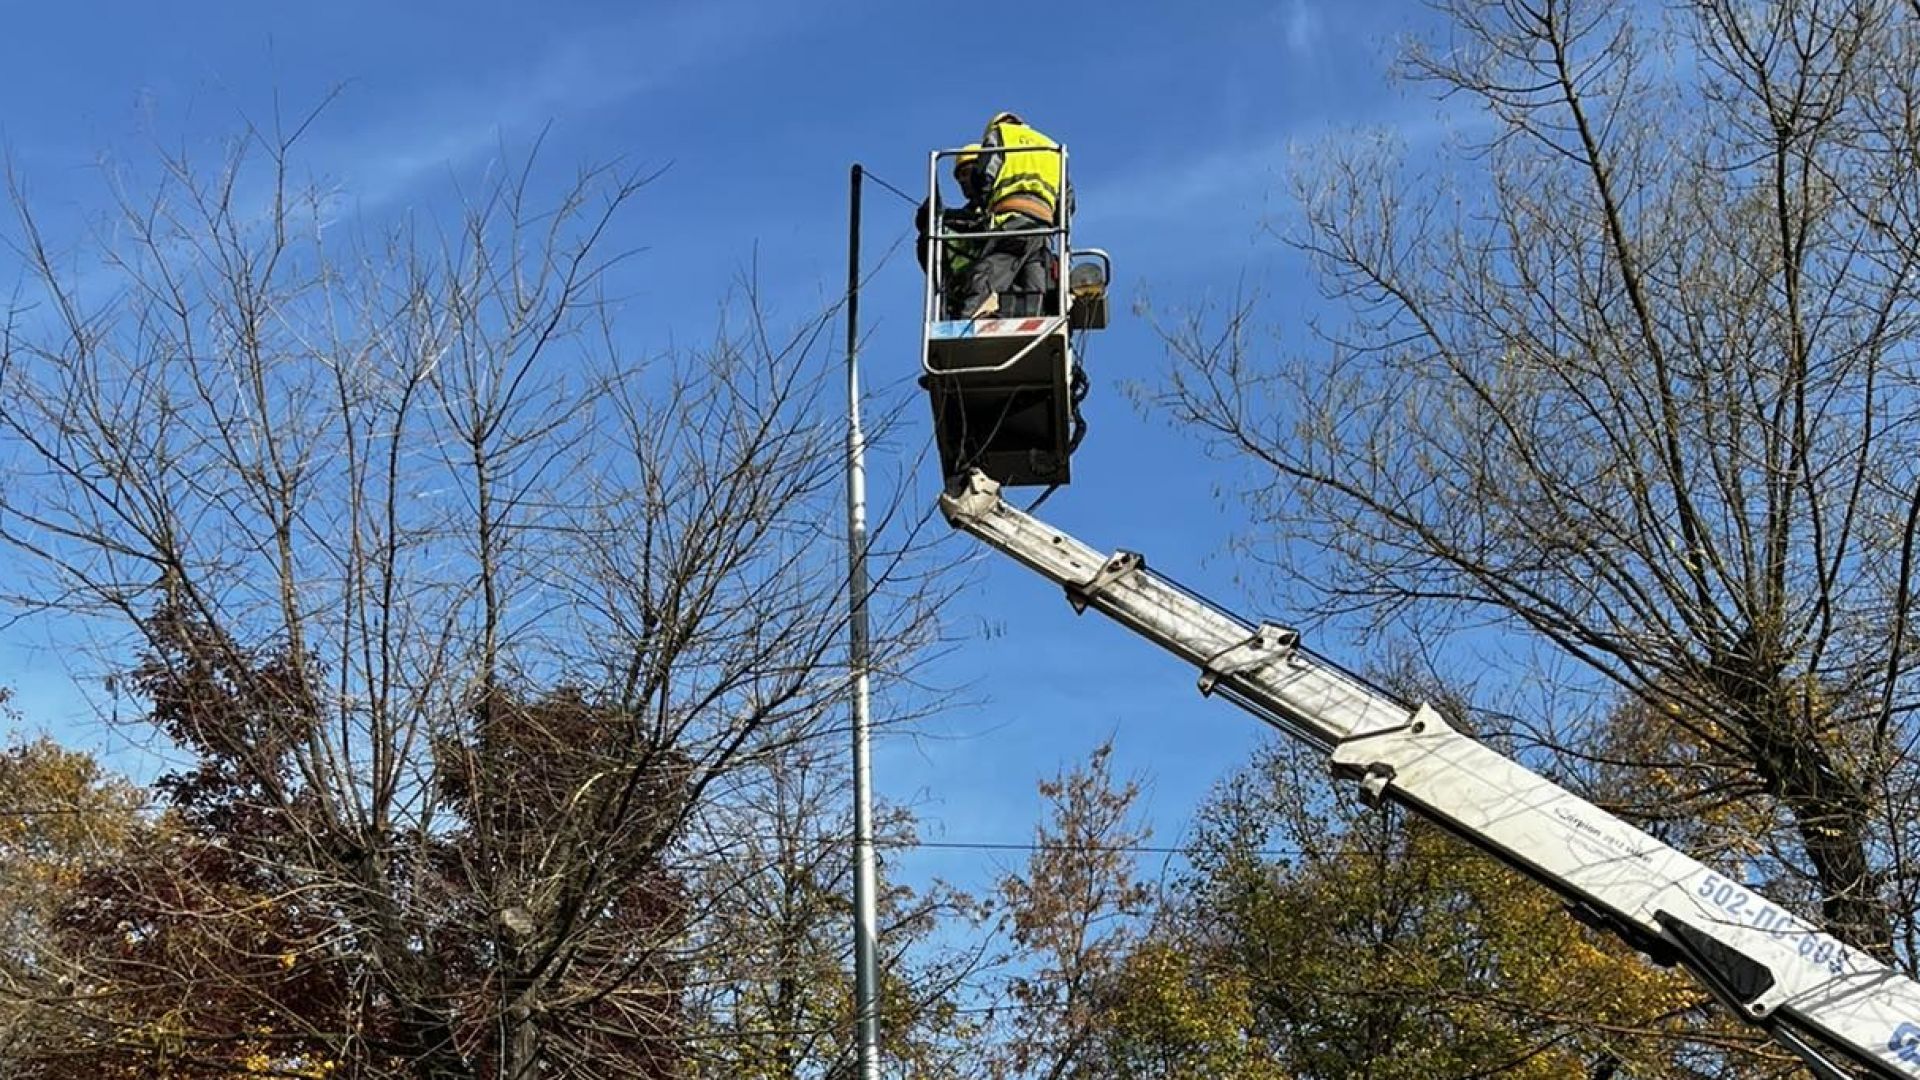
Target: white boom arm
1826,1001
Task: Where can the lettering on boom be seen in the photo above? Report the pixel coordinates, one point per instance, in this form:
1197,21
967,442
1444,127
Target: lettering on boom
1745,908
1905,1043
1589,836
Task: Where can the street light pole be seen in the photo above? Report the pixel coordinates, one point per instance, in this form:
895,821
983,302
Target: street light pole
866,977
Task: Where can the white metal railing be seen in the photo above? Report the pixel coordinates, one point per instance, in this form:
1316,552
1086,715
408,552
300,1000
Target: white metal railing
938,237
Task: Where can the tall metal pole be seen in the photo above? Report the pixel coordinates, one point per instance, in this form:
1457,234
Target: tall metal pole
866,968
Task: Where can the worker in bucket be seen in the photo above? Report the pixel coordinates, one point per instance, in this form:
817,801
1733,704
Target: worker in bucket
958,255
1020,172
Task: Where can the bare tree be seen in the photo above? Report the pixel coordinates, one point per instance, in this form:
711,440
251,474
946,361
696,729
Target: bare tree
461,605
1635,378
1074,915
768,998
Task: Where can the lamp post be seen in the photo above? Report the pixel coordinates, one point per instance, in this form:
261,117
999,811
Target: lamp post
866,970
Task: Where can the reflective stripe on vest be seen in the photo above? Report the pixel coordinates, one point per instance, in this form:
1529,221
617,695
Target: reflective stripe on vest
1028,180
959,256
961,251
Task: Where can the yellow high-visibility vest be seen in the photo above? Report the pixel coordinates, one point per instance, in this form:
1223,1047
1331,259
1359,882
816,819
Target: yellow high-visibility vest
1028,181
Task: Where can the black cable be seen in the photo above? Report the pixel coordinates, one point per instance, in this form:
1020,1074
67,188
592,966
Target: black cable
1044,496
876,178
891,844
993,430
1077,387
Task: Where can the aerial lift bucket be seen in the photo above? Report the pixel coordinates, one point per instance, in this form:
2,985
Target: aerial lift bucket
1005,389
1002,397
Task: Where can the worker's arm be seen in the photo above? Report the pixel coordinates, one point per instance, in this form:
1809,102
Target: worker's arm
988,170
966,219
922,227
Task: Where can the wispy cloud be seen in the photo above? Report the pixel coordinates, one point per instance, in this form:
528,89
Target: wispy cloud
1200,184
1229,180
1304,28
466,116
588,68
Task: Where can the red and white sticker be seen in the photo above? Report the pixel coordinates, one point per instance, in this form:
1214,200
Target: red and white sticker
1011,326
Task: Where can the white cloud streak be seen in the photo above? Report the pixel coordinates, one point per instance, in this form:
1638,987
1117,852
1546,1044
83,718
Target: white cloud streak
1304,28
588,68
1206,183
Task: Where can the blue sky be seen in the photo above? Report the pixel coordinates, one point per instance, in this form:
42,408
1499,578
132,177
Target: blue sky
1180,119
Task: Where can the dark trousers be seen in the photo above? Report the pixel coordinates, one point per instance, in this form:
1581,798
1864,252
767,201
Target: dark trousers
1015,267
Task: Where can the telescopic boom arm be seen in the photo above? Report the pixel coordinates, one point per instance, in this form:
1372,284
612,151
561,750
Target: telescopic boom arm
1845,1013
